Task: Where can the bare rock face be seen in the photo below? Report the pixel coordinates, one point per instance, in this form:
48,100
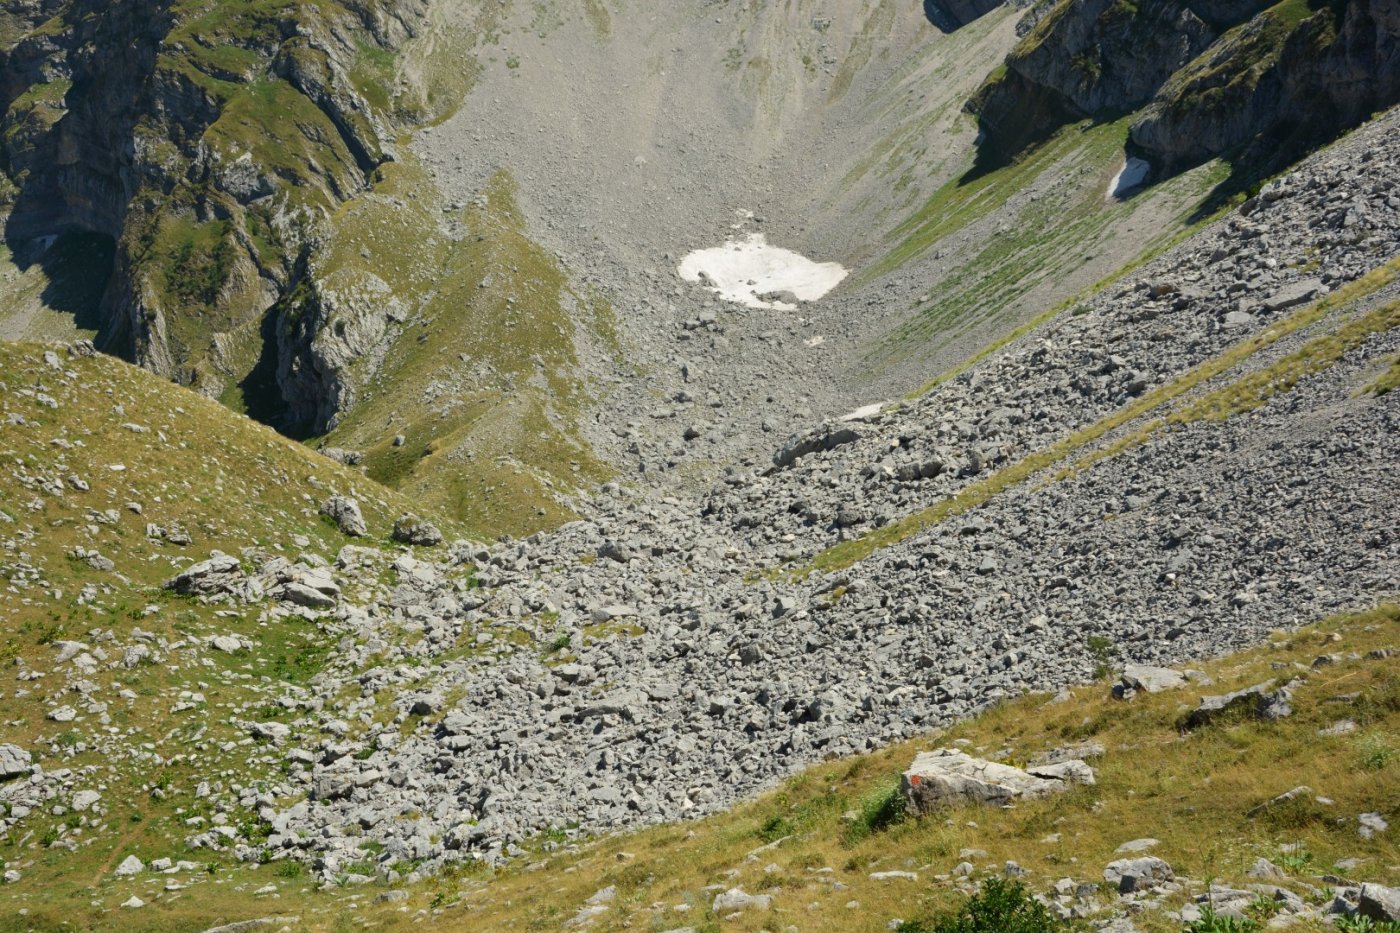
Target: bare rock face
948,776
1207,87
1326,74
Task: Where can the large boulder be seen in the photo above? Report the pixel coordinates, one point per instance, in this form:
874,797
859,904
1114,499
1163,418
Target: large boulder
345,512
948,776
1137,874
826,438
1141,678
220,575
1260,701
1380,903
410,529
14,761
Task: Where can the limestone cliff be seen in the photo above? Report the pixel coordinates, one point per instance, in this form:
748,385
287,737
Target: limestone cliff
209,141
1271,87
1215,76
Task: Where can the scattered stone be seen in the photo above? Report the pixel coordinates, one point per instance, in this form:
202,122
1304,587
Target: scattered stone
736,900
131,865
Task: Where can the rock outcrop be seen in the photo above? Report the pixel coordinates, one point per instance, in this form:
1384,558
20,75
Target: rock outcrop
1210,77
123,123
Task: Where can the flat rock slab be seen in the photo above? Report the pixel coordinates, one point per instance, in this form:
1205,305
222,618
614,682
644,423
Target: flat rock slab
735,900
948,776
1142,678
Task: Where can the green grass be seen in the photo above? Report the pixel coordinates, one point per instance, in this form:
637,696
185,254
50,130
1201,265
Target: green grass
495,317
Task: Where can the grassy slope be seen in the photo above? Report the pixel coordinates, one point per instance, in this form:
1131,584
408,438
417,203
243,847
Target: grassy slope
231,484
484,383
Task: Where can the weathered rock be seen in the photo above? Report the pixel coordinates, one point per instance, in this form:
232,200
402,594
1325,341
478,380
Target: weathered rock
1261,701
1071,771
1141,678
131,865
736,900
410,529
303,595
345,512
1379,903
1137,874
220,574
948,776
14,761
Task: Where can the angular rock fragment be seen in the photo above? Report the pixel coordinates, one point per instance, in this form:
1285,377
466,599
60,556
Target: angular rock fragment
14,761
948,776
1260,701
345,512
410,529
1137,874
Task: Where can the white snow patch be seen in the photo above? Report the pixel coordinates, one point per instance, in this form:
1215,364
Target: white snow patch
743,270
1129,178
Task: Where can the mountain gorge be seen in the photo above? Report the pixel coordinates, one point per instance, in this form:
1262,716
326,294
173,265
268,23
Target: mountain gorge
395,529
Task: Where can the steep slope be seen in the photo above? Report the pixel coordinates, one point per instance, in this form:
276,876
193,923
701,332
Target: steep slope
1194,459
135,705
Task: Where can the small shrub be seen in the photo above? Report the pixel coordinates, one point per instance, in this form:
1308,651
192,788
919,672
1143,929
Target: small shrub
1102,651
999,907
288,868
775,828
1211,922
1376,753
879,811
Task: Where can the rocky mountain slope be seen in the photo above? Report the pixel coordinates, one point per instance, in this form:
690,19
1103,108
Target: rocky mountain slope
1172,470
1135,429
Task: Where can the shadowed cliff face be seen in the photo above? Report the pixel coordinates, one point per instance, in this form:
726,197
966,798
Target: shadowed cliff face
1271,89
208,141
1247,79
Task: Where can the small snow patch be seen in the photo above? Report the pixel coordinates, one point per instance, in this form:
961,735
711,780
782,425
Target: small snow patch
1129,178
752,273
